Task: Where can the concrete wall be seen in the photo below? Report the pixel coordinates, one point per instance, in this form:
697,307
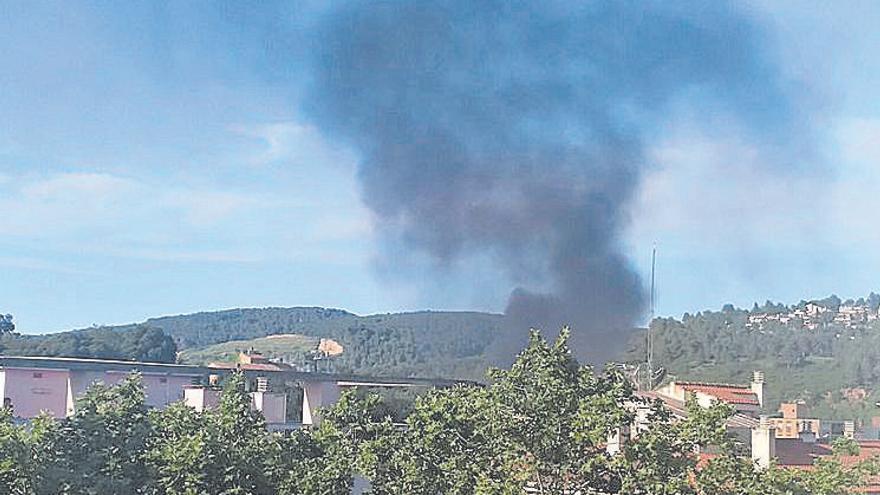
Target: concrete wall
201,398
79,382
162,390
317,395
33,390
272,405
763,443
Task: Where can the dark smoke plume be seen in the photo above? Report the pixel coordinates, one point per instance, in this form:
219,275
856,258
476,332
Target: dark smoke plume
519,129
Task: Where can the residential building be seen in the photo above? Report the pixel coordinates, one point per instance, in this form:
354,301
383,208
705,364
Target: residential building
746,399
35,385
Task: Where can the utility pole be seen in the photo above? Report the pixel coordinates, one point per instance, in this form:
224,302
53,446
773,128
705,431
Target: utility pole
650,339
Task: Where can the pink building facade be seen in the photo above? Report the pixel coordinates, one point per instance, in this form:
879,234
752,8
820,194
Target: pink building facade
32,386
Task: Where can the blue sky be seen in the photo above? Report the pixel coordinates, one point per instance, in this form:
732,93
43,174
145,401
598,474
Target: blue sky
154,160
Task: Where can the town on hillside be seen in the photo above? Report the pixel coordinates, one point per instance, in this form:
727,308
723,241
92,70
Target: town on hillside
813,314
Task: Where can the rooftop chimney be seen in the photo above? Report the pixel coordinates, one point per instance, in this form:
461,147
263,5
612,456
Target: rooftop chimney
763,443
262,384
758,386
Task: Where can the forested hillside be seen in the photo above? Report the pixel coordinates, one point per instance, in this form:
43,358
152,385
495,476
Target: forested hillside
206,328
137,343
829,363
426,343
825,352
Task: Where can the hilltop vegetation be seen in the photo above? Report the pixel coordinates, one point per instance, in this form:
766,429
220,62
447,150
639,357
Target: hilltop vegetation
135,343
826,364
427,343
206,328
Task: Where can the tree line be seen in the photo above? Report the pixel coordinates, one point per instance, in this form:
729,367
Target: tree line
427,343
138,343
541,424
813,364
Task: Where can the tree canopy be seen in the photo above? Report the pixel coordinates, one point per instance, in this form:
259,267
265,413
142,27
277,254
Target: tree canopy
6,324
140,343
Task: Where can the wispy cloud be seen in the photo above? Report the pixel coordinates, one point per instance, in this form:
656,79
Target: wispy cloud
76,208
292,143
102,214
30,263
717,194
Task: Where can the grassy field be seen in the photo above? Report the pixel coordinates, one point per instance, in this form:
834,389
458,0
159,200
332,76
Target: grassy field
291,348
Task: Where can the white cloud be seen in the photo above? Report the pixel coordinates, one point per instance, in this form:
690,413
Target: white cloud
202,208
721,194
78,208
855,193
77,187
64,203
32,263
101,214
294,144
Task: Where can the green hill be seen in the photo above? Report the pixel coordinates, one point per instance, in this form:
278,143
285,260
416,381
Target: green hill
425,343
827,360
133,342
206,328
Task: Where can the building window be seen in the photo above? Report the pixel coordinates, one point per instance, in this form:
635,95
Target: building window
38,375
163,380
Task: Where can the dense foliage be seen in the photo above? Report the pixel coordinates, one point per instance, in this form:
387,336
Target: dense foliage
817,365
139,343
431,344
427,343
6,324
542,424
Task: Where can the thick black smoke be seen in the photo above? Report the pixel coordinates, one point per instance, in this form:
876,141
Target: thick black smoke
519,129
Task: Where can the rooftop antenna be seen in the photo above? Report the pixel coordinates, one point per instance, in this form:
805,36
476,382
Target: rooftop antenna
650,339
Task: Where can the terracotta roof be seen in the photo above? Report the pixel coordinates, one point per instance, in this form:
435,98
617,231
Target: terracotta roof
679,409
792,452
796,454
732,394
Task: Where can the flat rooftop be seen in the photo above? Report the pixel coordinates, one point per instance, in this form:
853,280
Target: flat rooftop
90,364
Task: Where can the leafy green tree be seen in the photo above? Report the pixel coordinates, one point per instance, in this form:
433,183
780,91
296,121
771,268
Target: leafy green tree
16,462
139,343
6,324
215,452
543,426
101,448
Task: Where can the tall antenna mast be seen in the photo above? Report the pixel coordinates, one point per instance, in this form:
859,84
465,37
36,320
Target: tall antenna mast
650,343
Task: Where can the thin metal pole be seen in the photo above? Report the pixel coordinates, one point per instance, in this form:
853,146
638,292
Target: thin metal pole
650,356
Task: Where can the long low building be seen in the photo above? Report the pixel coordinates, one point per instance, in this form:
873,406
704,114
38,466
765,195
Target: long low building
48,385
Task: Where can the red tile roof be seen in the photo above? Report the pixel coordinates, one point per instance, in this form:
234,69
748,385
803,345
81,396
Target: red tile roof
732,394
679,409
796,454
792,452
